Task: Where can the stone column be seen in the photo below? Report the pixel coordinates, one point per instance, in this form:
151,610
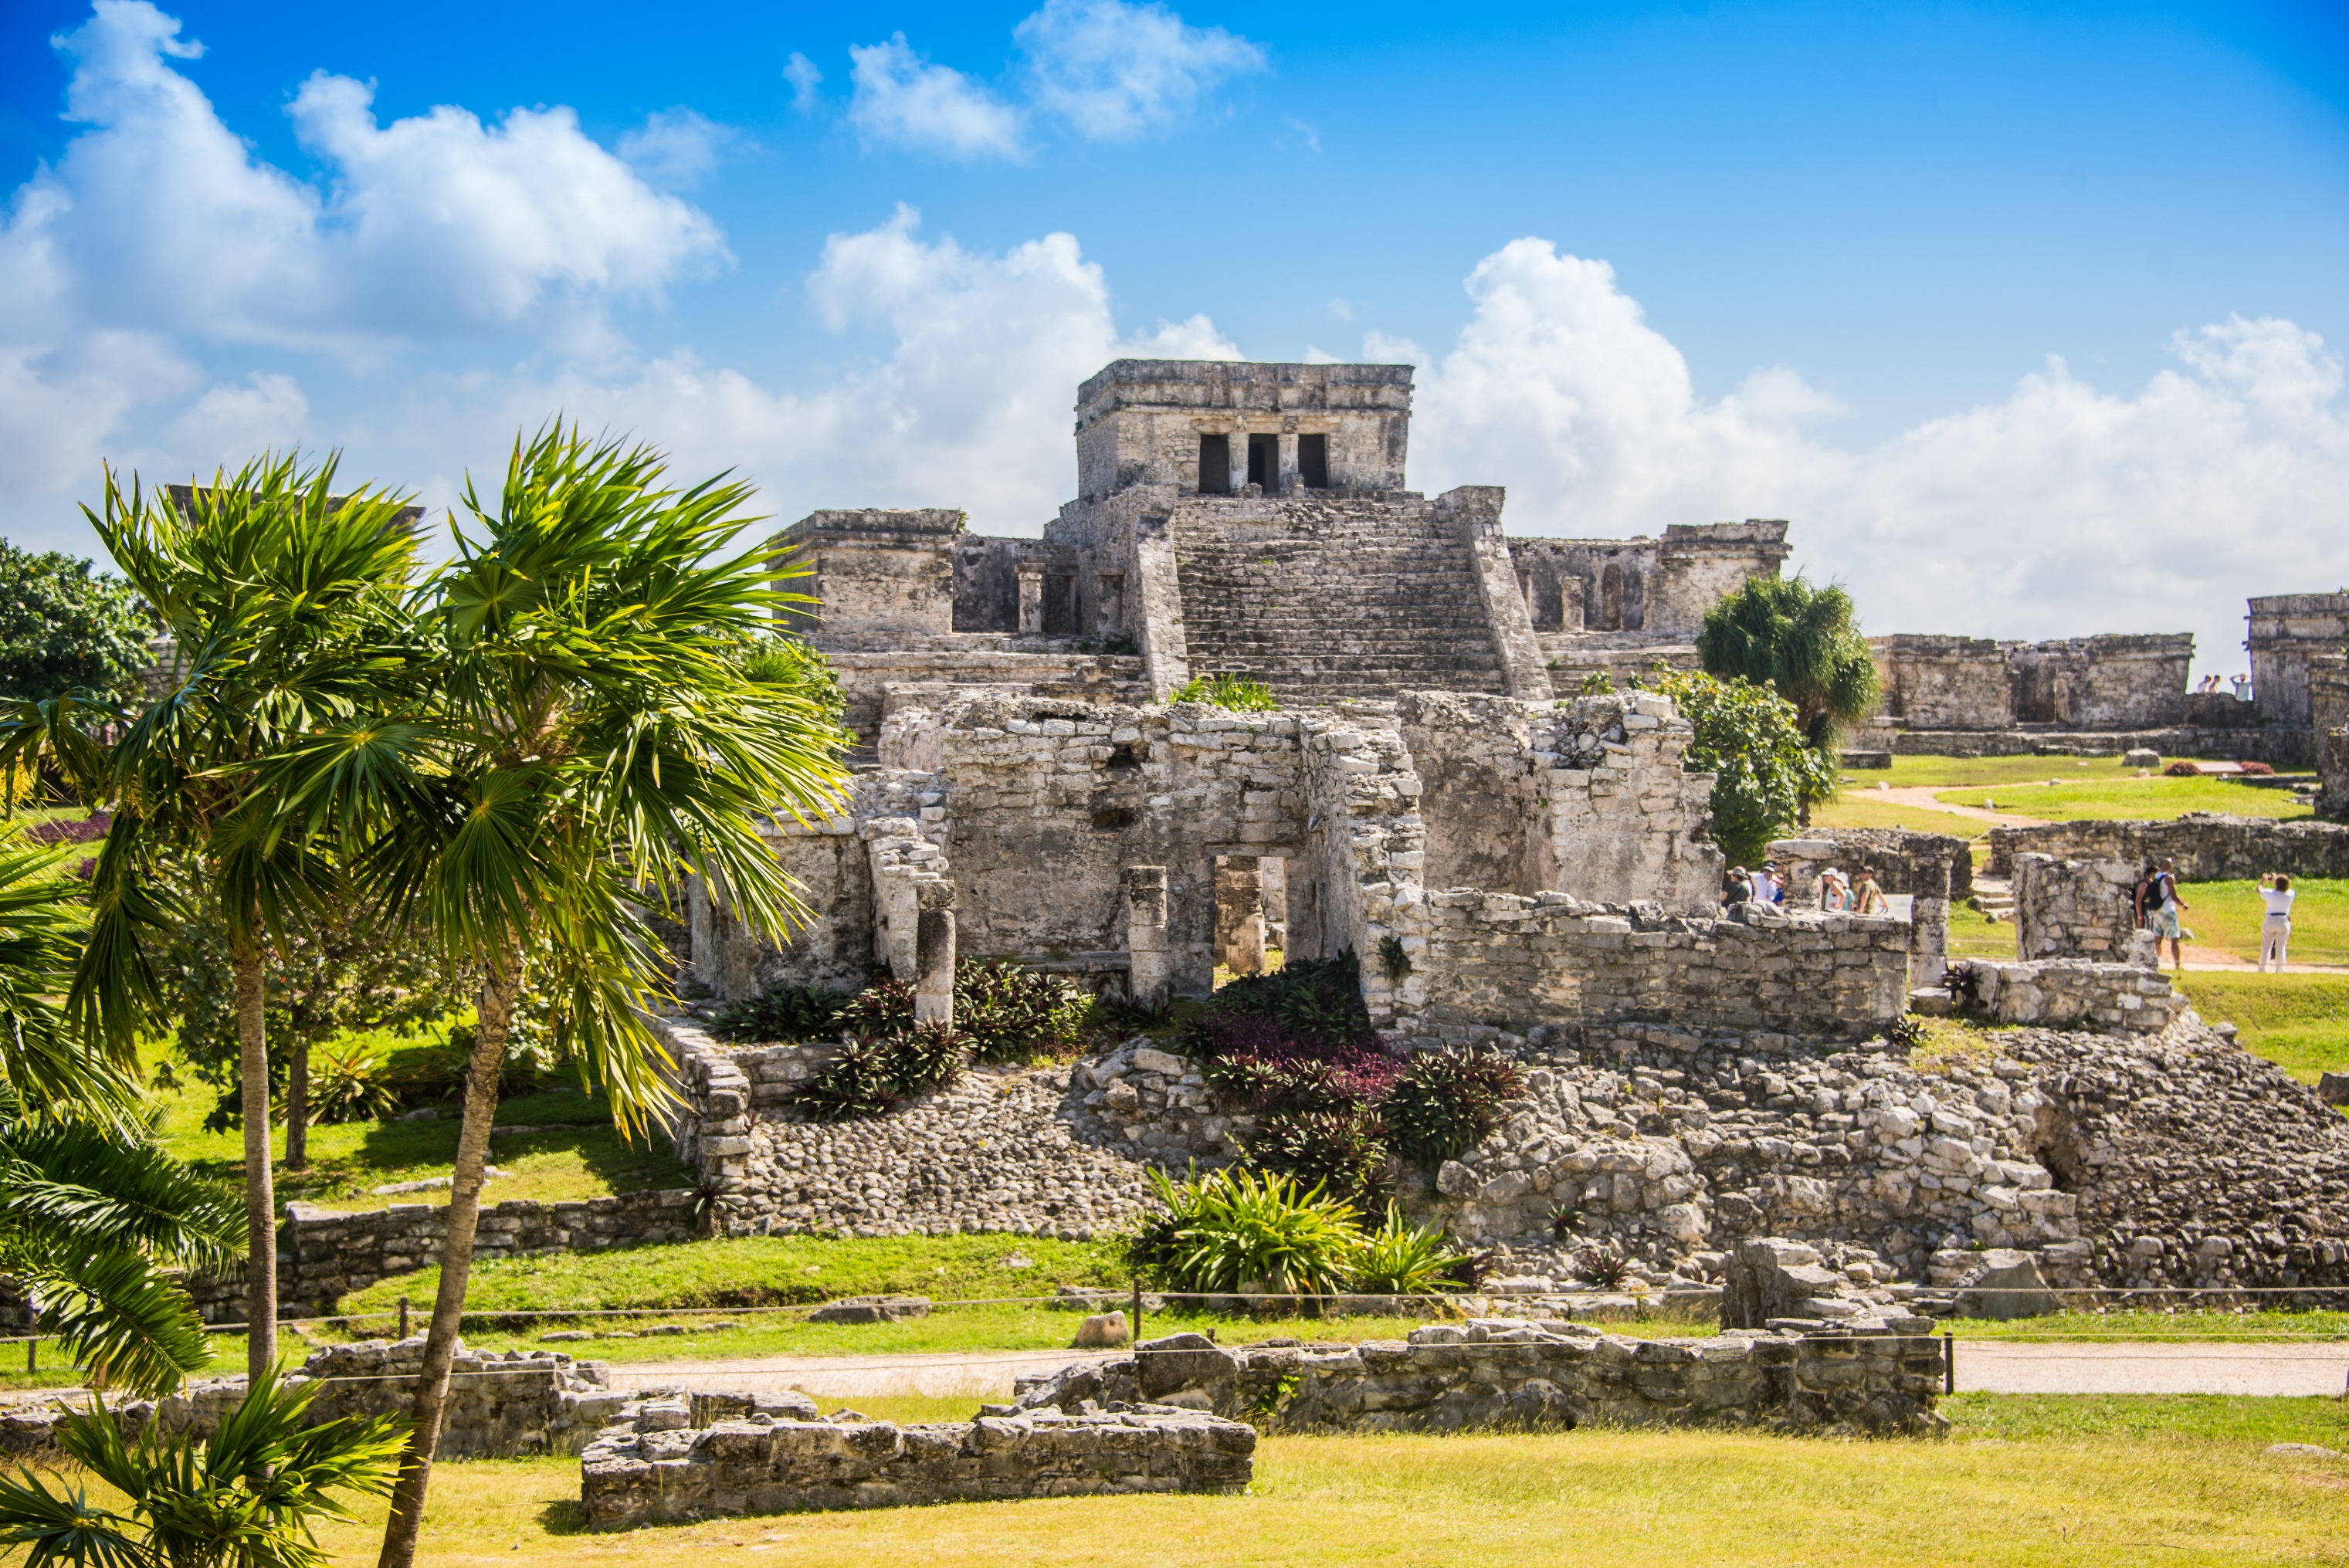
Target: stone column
1239,914
1149,979
1031,597
1928,940
934,955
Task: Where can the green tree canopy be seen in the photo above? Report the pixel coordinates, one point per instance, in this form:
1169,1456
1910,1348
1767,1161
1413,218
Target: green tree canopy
1750,740
65,626
1801,639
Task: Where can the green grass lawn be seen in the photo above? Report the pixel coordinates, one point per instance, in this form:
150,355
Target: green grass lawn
1973,934
2022,1482
1856,807
580,1156
1948,772
2226,915
2300,1022
2185,1326
2083,798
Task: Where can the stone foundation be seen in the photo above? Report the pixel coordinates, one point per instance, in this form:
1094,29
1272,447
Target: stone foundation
2207,846
2074,993
2078,909
658,1469
1508,1375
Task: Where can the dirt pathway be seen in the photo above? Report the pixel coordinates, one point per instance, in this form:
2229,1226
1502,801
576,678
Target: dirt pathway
1921,795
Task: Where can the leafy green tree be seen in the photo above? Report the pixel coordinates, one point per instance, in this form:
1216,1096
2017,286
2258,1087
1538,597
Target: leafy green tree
65,626
1752,741
586,735
246,1497
290,607
1803,640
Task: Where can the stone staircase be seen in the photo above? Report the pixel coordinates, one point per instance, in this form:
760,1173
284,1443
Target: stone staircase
1322,600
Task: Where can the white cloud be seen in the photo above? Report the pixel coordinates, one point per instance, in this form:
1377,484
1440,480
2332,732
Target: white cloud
1114,71
677,148
903,100
158,218
800,72
2062,511
229,424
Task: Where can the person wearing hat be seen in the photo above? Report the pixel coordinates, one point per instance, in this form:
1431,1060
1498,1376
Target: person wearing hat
1767,887
1739,888
2163,906
1867,898
1835,893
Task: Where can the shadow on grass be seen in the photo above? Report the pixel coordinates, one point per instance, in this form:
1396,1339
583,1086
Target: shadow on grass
564,1516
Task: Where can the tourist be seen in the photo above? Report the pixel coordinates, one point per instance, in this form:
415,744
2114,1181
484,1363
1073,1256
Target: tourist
1767,887
2275,931
1867,898
2141,896
1835,893
2242,685
1738,889
2163,908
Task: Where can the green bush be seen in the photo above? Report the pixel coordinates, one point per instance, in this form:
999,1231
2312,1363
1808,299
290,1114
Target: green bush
1765,767
1342,1150
64,626
780,1014
1241,1231
1316,998
1400,1259
875,1073
1010,1014
1239,693
1446,1100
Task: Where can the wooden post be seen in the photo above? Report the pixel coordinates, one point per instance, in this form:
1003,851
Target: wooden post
403,1317
1948,1363
33,1354
1137,1311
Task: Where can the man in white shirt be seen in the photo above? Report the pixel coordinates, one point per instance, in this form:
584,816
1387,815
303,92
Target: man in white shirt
2275,930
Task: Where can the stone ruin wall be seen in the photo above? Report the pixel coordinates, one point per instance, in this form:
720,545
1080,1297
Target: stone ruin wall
2328,685
2208,847
2078,909
2110,682
2290,637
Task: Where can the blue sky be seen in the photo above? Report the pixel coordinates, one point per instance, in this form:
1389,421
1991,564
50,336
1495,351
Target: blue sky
1658,264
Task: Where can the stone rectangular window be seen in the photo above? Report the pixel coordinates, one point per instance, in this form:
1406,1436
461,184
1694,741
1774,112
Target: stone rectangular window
1214,465
1313,461
1263,462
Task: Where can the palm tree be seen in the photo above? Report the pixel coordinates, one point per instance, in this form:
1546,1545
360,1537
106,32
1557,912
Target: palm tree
288,604
1804,640
93,1217
245,1497
592,734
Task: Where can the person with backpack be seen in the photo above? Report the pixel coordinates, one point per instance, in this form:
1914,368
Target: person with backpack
2164,906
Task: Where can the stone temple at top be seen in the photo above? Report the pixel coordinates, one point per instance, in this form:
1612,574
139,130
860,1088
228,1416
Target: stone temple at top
1252,519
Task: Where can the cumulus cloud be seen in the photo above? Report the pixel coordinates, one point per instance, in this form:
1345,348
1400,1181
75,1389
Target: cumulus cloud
903,100
969,408
676,147
1113,71
2063,510
800,72
158,218
230,423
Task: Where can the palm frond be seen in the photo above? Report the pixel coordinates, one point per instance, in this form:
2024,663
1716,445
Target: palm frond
131,1323
80,1184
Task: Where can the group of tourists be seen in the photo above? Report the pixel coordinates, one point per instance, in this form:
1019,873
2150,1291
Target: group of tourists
1838,894
2158,905
2210,684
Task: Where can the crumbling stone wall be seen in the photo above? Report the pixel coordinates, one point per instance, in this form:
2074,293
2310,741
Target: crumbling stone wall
2208,847
2328,688
1509,1374
2082,682
1661,587
874,570
1923,871
658,1468
2078,909
499,1406
2287,634
2121,998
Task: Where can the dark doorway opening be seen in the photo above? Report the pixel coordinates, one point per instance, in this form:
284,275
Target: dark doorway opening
1214,465
1263,462
1313,461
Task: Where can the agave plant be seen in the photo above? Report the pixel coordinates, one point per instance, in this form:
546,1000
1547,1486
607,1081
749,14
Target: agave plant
1241,1229
247,1496
1401,1259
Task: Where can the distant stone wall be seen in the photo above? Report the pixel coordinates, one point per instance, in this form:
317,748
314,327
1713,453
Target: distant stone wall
2208,847
2278,748
2074,993
653,1471
1507,1374
2328,685
1496,961
2078,909
499,1407
2288,634
2081,683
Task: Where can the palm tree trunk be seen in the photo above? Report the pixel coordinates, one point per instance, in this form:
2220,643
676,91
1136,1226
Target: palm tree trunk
496,1018
260,1194
298,1106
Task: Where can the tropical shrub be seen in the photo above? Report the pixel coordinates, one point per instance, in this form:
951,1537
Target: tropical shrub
1244,1232
1239,693
246,1497
65,626
874,1074
1342,1151
2255,769
1312,999
1010,1014
1804,641
350,1081
780,1014
1401,1259
1603,1263
2182,770
1446,1100
887,1003
1764,769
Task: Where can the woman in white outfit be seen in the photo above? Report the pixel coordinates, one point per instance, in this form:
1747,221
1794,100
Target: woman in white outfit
2275,931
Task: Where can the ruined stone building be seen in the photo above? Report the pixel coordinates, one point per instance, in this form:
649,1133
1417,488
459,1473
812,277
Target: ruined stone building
1251,518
